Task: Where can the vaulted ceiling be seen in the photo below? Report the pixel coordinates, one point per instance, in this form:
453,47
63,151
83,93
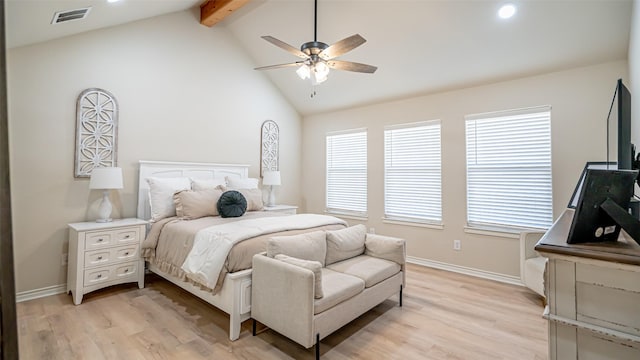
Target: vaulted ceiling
419,46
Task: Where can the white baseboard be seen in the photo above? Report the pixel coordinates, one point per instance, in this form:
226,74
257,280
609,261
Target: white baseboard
40,293
514,280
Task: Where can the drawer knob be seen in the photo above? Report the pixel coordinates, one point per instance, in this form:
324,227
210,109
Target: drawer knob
100,240
125,254
99,257
127,236
126,270
99,276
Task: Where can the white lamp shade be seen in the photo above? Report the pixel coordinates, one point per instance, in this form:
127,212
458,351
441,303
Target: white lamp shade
271,178
106,178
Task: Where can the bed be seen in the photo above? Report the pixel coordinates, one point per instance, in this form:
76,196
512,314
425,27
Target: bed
230,290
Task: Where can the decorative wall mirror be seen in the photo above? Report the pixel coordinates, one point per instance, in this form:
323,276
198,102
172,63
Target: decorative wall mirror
269,147
96,131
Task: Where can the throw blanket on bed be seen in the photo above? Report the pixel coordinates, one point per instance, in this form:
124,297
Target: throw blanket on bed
212,245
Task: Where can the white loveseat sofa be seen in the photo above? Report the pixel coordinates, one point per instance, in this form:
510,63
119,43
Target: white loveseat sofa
309,285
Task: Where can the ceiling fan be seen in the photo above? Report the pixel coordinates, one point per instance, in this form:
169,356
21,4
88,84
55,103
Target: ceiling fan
318,57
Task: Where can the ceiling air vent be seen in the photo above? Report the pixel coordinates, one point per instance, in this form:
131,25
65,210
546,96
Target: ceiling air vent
69,15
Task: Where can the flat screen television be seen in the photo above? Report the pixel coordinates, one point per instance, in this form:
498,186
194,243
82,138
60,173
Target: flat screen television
602,207
625,148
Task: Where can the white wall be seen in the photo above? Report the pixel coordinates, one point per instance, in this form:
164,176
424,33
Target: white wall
580,100
186,93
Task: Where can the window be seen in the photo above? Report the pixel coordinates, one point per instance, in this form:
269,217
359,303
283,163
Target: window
412,172
509,169
347,173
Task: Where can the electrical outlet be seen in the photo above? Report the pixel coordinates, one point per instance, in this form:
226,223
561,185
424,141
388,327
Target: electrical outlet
64,259
372,230
456,244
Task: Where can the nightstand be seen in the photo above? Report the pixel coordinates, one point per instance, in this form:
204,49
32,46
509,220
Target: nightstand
104,254
283,209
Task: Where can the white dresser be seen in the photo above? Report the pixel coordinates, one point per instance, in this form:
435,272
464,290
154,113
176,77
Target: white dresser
104,254
593,295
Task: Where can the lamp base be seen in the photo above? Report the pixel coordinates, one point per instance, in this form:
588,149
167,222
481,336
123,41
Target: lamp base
104,210
271,200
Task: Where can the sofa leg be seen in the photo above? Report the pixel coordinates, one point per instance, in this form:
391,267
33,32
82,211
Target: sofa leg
400,295
317,346
253,327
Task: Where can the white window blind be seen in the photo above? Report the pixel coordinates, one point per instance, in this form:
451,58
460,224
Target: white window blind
509,169
412,172
347,173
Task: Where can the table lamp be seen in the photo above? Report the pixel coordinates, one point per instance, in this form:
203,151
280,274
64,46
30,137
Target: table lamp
271,178
105,178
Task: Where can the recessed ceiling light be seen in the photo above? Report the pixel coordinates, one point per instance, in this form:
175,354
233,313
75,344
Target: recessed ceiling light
507,11
112,1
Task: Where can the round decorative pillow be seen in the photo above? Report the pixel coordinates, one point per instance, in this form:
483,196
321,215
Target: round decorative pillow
232,204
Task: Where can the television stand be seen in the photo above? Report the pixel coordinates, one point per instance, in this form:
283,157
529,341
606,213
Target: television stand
593,292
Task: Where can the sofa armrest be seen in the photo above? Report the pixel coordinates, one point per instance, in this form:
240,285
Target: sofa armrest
528,241
388,248
282,298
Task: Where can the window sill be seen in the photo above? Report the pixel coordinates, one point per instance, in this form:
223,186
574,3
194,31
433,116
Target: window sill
412,223
345,216
494,231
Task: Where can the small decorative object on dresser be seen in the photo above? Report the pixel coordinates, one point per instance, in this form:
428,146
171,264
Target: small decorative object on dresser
283,209
104,254
105,179
271,179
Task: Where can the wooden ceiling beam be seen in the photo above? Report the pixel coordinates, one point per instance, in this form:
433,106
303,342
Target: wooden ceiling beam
214,11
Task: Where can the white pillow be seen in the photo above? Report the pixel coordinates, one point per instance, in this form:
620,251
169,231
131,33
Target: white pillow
161,192
241,183
206,184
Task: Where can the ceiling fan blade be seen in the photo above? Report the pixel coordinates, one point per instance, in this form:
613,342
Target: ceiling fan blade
342,47
279,66
283,45
351,66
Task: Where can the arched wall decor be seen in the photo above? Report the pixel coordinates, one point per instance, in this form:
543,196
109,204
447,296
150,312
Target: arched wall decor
96,131
269,148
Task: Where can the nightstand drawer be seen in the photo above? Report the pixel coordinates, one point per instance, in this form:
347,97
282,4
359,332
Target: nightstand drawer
96,276
126,236
108,256
115,272
98,240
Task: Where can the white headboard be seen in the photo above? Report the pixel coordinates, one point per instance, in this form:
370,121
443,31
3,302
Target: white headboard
180,169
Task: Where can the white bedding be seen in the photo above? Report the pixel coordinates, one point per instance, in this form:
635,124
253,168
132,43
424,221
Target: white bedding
212,245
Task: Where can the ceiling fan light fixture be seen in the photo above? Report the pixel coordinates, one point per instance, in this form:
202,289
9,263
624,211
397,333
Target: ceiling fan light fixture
320,72
304,72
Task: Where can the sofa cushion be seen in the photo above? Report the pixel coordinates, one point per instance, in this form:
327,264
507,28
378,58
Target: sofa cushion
337,287
370,269
314,266
345,243
385,247
307,246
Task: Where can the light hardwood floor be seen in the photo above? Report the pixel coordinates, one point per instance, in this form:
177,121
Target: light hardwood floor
444,316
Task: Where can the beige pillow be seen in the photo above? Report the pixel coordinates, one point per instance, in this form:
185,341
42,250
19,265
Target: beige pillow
345,243
253,197
161,192
192,204
314,266
306,246
386,247
206,184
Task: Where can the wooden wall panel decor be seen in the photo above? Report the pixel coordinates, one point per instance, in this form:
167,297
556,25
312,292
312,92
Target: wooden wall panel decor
96,131
269,148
